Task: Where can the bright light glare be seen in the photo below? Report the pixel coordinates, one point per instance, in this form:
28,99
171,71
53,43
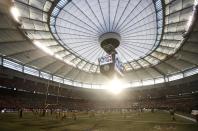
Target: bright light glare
115,86
58,57
3,111
70,63
44,48
48,51
196,2
191,17
15,13
189,22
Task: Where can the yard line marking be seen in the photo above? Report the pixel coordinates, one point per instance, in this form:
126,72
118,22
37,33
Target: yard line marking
155,122
185,117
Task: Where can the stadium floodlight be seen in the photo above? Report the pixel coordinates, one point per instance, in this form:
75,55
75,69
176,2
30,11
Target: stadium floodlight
44,48
50,52
58,57
189,22
15,13
196,2
115,86
192,20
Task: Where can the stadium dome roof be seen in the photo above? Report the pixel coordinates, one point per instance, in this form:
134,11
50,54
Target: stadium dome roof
78,25
153,47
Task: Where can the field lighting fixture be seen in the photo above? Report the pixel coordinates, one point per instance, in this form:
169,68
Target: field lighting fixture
15,13
43,47
192,20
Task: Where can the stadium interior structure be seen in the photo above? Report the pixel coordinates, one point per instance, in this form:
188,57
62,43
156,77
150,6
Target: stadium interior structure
49,51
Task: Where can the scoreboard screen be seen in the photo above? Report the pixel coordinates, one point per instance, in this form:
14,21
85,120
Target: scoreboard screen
118,66
105,60
110,65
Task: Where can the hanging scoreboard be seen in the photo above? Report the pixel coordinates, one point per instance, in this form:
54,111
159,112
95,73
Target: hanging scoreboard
105,60
110,65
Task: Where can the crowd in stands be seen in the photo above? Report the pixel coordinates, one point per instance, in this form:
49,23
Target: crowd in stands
13,99
17,93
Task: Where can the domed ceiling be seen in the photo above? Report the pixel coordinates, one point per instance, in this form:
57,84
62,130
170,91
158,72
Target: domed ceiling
78,24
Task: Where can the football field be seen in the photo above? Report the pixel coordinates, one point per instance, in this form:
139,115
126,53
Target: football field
133,121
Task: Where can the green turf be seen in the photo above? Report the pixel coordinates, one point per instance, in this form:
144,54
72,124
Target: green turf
158,121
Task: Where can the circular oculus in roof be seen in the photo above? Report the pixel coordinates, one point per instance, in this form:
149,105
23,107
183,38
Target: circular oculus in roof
79,24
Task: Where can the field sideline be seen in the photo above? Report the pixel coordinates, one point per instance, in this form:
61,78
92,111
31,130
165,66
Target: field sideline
147,121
